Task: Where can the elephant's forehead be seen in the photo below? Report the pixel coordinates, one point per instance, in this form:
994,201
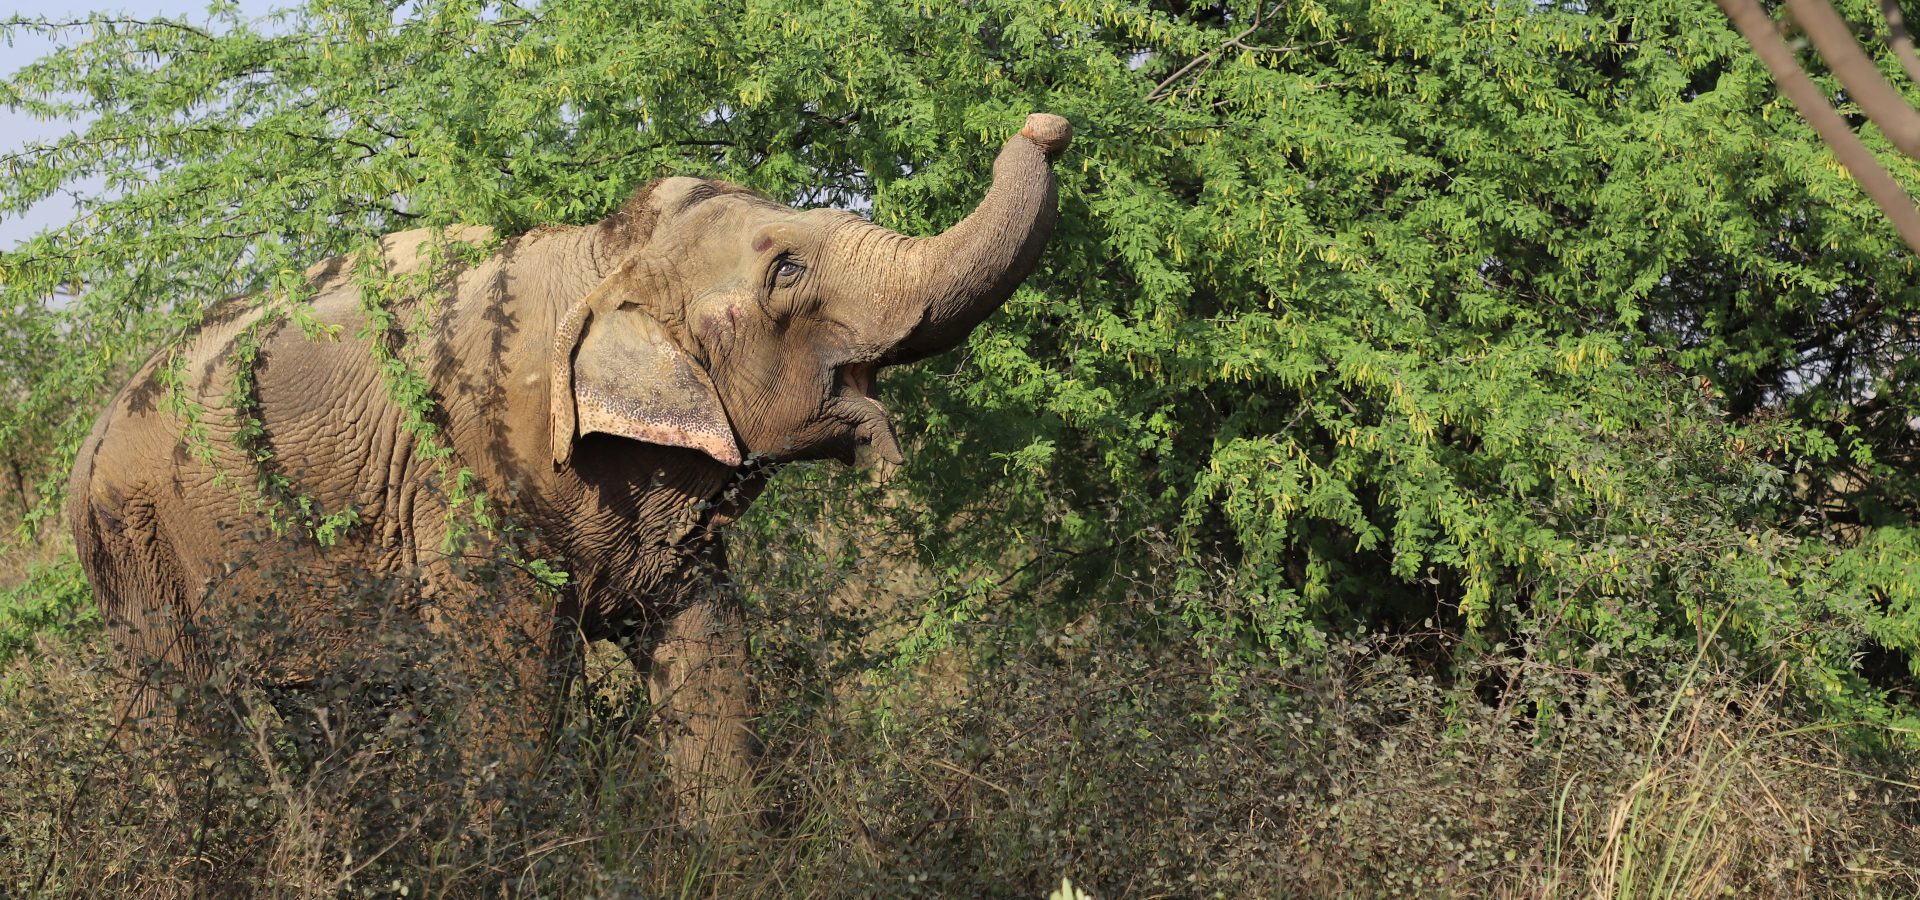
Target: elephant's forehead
725,226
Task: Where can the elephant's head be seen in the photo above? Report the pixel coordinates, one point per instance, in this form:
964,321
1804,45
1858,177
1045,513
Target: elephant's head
739,327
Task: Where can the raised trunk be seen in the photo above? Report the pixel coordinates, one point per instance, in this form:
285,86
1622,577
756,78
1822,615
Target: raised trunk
961,276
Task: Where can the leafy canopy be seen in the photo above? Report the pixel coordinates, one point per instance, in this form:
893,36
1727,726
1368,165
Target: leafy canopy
1534,319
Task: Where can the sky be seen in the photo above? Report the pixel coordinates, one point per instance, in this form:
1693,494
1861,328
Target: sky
18,130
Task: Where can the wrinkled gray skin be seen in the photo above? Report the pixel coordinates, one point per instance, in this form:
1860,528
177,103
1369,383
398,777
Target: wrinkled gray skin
606,384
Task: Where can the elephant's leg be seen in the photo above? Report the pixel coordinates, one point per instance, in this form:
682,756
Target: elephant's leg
697,679
164,669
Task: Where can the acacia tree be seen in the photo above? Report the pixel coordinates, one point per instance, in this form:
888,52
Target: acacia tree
1530,318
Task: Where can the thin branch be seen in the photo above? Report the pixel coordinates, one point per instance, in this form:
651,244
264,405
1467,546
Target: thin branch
1828,333
1163,90
1899,39
1884,105
72,24
1754,25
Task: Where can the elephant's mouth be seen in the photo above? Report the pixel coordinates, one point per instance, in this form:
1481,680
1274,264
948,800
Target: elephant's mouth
854,401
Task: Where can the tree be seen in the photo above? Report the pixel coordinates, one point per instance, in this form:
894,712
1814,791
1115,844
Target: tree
1532,319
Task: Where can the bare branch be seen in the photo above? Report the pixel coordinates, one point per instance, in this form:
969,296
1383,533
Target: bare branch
1205,61
1899,39
1884,105
1754,25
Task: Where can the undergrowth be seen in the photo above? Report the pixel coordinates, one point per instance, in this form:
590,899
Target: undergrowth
1388,765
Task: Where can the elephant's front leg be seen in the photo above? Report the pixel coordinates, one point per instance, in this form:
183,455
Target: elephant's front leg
697,678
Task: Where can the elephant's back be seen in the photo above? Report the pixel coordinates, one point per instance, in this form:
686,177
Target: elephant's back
403,253
172,412
312,396
253,392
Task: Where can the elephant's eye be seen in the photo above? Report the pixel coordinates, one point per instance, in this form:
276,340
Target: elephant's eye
787,269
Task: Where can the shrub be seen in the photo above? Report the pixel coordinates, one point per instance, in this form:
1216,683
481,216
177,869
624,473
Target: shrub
50,597
1529,341
1379,312
1363,773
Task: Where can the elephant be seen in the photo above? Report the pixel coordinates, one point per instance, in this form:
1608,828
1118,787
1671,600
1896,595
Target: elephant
618,392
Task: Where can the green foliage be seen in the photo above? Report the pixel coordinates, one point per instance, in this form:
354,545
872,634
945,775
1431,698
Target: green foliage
52,598
1533,319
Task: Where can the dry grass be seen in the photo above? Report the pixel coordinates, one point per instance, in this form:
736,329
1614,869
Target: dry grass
993,769
1356,776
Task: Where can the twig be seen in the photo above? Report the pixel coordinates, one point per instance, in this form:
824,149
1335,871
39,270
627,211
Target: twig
972,775
71,24
1831,34
1753,24
1899,39
1164,89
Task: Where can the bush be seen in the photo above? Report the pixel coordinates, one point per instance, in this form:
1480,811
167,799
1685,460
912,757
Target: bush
51,597
1380,313
1447,449
1363,773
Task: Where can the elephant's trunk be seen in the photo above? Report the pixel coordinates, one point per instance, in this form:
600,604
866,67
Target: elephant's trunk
964,274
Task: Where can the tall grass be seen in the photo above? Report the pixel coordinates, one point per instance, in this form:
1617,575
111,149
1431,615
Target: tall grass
1362,773
1389,765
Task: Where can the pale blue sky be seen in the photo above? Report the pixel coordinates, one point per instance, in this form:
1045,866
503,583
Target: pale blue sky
18,130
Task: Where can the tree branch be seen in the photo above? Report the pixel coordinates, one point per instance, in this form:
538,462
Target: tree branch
1164,89
1899,39
1884,105
1893,200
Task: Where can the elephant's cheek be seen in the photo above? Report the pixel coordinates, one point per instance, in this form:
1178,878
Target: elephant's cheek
720,329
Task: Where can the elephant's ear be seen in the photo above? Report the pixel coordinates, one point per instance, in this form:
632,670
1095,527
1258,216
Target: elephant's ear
617,371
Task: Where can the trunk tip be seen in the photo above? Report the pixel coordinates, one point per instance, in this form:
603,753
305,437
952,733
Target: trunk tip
1053,133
